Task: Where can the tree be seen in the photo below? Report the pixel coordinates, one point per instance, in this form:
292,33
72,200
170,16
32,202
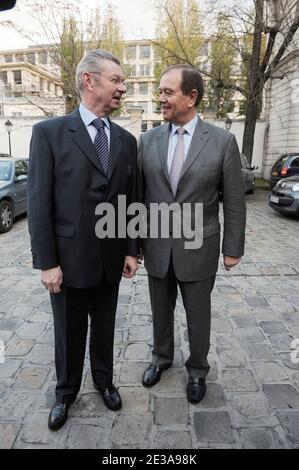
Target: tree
70,28
261,32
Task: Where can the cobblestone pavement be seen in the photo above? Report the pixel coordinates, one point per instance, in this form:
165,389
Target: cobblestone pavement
252,398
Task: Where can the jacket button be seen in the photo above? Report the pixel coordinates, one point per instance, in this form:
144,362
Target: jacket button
103,187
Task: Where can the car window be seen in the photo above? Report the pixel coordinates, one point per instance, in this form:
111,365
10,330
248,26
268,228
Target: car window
295,163
5,171
21,168
280,163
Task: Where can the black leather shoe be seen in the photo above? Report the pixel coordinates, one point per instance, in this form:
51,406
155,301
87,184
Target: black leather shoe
110,396
58,415
196,389
152,375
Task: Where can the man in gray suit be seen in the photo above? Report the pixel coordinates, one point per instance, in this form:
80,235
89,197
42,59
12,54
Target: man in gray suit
188,161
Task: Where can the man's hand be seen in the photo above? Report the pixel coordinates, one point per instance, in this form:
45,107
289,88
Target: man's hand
52,279
230,262
130,266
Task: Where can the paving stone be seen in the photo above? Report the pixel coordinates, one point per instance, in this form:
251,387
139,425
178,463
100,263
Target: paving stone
270,371
19,347
232,358
141,334
88,405
42,354
10,323
273,327
135,400
244,321
130,430
251,409
260,438
139,351
221,325
239,380
281,342
17,403
261,352
170,411
214,398
256,301
132,372
281,396
8,434
32,377
9,368
213,427
88,436
35,431
252,335
30,330
172,380
290,422
172,440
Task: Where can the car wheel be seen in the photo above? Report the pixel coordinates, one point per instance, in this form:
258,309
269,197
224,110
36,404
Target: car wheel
6,216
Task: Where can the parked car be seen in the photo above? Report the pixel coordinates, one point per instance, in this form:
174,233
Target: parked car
248,174
286,165
284,197
13,190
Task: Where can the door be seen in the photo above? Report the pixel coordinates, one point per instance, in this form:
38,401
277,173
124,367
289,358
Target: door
20,187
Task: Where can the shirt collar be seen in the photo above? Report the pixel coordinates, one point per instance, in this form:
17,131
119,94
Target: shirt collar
88,116
189,127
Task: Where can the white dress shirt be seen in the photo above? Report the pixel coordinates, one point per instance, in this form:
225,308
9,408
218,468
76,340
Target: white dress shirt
174,136
87,117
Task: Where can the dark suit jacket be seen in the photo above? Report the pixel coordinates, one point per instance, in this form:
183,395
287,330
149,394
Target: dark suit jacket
66,182
212,165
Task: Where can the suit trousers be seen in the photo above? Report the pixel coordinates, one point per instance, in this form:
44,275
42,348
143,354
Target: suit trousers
197,302
71,308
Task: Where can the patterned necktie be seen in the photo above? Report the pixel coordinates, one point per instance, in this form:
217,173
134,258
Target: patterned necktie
177,161
101,144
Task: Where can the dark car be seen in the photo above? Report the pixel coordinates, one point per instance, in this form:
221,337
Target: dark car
248,175
13,190
286,165
284,197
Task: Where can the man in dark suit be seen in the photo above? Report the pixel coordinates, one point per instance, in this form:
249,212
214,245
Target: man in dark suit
76,162
188,161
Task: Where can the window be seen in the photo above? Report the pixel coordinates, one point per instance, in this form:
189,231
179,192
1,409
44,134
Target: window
295,163
144,105
132,71
49,86
17,77
3,76
143,88
131,52
41,83
144,52
31,58
8,58
143,126
144,70
156,107
156,123
130,89
42,58
16,114
21,168
19,57
5,171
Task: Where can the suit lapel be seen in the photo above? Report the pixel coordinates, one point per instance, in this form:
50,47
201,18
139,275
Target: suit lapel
199,140
115,146
83,141
162,146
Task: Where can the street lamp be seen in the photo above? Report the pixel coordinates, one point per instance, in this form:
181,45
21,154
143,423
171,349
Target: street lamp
8,127
228,123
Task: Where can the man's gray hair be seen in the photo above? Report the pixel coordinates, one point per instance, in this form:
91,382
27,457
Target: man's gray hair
92,62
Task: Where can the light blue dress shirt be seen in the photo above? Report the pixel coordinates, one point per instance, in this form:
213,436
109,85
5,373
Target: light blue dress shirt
87,117
173,139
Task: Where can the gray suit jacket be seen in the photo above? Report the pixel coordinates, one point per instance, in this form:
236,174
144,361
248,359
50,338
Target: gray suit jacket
211,166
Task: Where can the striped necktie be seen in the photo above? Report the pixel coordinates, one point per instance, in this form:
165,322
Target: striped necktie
177,161
101,144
